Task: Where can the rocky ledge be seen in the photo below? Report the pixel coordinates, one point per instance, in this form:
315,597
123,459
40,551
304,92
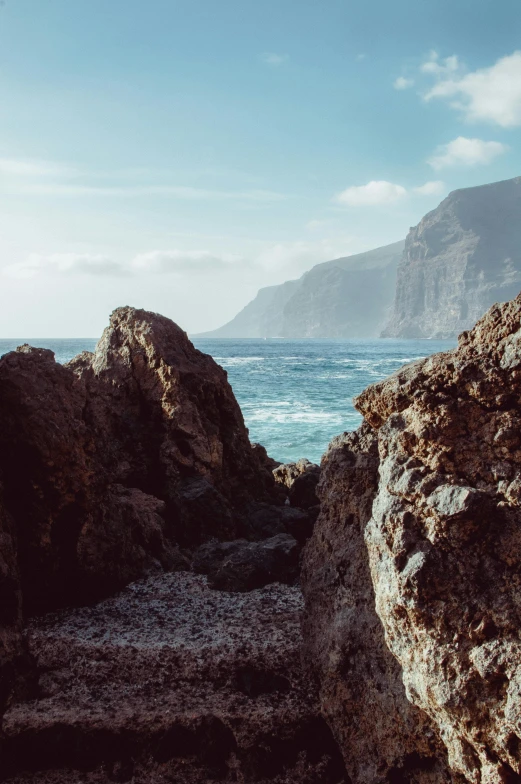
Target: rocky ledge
171,682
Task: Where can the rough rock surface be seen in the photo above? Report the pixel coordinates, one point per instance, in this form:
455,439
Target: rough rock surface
300,479
445,540
460,259
171,682
443,535
383,737
111,463
243,566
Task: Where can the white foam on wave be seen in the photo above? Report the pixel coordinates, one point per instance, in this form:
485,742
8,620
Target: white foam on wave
231,361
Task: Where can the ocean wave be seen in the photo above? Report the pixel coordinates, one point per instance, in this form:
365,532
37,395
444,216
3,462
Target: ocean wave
232,361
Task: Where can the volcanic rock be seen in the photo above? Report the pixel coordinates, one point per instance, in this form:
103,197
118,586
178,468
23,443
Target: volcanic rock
113,462
265,520
244,566
301,479
171,682
382,736
442,526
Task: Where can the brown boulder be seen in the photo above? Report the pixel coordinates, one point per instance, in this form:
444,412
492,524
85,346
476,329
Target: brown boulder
114,461
442,527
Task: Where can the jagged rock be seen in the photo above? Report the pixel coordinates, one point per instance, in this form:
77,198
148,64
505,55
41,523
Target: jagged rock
244,566
445,540
444,550
383,737
265,520
171,682
264,459
170,411
111,463
300,479
460,259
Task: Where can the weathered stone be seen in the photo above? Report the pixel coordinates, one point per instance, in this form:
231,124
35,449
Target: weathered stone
300,479
171,682
382,736
265,520
114,461
444,540
244,566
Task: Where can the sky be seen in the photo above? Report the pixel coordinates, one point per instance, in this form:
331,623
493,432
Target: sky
177,155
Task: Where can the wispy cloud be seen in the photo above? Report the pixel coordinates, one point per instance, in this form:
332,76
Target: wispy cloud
375,193
379,193
402,83
182,192
466,152
274,59
431,188
175,261
19,167
490,94
436,66
64,264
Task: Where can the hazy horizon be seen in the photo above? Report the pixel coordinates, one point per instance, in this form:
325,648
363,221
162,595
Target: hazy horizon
180,156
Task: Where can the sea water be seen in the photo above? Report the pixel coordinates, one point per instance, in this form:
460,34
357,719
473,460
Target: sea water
295,395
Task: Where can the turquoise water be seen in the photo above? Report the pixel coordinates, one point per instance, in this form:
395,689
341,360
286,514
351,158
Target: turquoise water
295,394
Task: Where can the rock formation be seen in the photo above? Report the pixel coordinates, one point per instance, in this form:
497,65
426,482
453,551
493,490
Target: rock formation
348,297
442,528
460,259
114,462
128,462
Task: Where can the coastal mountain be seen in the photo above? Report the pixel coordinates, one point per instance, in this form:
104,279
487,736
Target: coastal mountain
348,297
461,258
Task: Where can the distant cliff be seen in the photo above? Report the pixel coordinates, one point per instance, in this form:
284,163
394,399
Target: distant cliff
346,297
461,258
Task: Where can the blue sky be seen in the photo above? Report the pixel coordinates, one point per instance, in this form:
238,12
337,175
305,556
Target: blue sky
179,155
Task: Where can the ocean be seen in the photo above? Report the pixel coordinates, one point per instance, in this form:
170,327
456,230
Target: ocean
295,395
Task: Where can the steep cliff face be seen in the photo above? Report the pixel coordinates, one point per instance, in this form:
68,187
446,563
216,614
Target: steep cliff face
460,259
113,462
442,529
347,297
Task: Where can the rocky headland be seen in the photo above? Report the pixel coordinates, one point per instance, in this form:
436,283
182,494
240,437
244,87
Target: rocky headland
159,622
461,258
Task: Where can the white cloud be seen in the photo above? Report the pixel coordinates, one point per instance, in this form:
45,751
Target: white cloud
402,83
466,152
17,167
182,192
431,188
489,94
375,193
441,68
177,261
274,59
361,56
64,263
